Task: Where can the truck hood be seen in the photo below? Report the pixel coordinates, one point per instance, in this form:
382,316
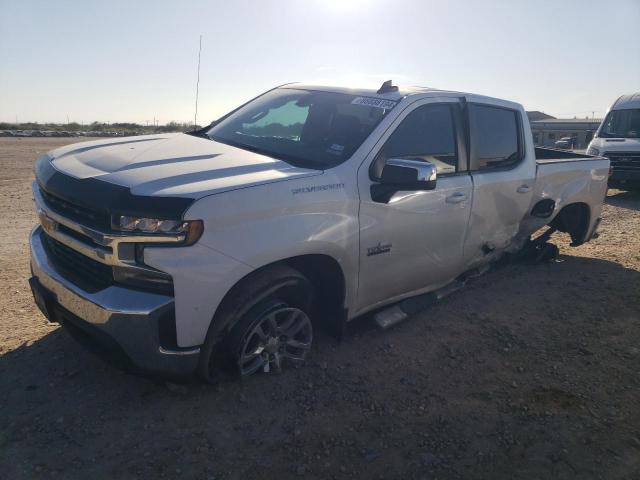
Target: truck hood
616,145
170,165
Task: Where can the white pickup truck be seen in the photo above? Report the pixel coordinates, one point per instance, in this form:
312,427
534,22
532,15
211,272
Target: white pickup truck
304,208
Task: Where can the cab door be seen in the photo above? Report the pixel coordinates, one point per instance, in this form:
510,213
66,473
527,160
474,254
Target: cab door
413,241
503,169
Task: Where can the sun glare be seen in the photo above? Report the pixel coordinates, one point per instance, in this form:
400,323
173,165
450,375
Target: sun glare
343,6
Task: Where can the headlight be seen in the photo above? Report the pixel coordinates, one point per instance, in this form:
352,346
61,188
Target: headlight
190,230
149,225
593,151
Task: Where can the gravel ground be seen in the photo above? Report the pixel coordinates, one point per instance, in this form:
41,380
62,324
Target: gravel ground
529,372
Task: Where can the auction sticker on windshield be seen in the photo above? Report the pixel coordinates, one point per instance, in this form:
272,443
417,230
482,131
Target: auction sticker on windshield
374,102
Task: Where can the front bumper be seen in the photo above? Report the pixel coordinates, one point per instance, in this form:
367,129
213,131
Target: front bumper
622,178
119,322
620,174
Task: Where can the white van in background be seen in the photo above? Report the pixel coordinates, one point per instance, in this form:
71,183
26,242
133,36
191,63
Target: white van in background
618,139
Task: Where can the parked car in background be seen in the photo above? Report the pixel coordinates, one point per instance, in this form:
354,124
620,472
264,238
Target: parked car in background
565,143
302,209
618,139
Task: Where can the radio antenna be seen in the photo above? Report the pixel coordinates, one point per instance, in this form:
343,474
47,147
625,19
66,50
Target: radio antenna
195,117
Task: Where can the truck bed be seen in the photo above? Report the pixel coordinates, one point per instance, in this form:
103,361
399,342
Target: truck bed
554,155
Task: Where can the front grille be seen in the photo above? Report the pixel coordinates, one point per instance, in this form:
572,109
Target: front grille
77,212
624,160
86,273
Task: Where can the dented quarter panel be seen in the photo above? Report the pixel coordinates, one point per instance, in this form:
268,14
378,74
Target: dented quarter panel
565,184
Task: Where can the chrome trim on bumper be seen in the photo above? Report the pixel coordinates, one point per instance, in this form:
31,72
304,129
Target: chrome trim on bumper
97,307
113,309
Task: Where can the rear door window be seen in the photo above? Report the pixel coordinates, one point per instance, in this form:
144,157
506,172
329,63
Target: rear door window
495,137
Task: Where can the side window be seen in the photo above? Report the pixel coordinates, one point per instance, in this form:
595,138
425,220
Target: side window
428,134
494,137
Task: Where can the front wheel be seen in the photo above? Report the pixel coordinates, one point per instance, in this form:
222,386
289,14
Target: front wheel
272,334
262,324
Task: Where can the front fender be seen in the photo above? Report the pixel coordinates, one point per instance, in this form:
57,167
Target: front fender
265,224
201,279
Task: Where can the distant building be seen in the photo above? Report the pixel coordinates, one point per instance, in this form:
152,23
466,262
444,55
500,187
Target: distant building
547,130
534,116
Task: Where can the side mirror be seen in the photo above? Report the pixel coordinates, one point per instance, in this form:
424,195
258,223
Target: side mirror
406,174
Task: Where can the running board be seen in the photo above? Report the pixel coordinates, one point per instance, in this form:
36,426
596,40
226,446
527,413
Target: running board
390,316
398,312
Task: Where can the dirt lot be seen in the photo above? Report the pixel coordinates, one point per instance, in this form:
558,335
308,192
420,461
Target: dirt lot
530,372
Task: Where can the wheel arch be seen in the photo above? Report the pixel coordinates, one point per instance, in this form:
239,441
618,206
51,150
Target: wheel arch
329,282
574,219
325,275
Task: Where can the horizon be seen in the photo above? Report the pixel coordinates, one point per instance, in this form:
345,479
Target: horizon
121,124
139,61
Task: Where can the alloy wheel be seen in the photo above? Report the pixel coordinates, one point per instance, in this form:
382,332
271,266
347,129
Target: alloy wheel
281,334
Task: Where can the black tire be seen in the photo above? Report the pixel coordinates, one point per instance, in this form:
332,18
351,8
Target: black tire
274,287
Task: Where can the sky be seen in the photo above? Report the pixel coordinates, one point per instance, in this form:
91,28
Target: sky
133,61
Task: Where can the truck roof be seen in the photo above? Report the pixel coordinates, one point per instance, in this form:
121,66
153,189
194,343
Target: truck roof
627,101
402,92
366,92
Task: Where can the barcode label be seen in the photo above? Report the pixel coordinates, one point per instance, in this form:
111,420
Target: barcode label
374,102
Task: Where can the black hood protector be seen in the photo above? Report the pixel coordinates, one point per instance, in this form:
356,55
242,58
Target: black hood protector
104,197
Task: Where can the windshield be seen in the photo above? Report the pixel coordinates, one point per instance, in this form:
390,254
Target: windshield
621,124
307,128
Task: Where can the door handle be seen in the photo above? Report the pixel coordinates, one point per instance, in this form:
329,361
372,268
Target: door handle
456,197
524,189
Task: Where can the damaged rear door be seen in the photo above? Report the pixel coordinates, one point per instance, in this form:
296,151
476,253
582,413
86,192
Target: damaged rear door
503,170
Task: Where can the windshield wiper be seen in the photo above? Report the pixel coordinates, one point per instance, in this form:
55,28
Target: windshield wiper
201,132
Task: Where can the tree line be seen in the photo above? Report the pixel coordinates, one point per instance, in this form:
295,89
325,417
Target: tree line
120,127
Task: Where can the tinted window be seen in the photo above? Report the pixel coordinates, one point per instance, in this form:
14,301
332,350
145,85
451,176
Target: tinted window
494,137
621,124
426,134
